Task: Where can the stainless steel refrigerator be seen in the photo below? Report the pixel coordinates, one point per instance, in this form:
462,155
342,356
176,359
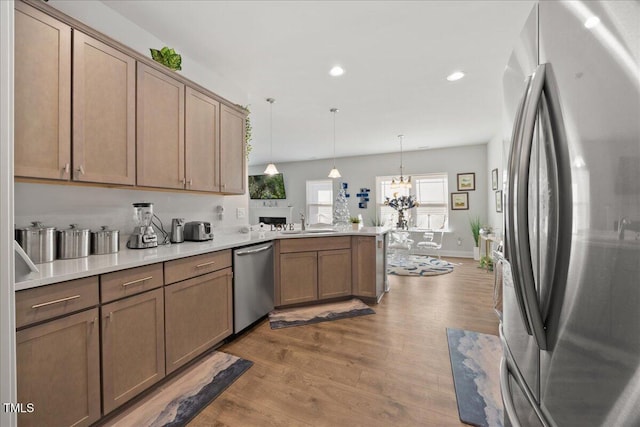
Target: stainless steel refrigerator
571,268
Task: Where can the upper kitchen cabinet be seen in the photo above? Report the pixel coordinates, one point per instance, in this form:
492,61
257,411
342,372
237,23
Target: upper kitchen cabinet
42,95
160,130
232,152
104,91
202,129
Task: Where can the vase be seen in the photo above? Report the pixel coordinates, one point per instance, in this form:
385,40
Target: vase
476,253
355,226
402,222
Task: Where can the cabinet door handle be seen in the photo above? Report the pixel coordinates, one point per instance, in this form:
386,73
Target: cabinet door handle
184,182
110,316
80,170
66,168
204,264
135,282
190,182
55,301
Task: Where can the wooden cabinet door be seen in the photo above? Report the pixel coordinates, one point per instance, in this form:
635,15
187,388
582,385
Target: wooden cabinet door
104,113
232,152
160,130
58,370
364,266
132,346
334,273
198,315
298,277
42,147
202,161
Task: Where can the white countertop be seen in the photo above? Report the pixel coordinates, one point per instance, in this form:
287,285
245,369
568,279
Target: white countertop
70,269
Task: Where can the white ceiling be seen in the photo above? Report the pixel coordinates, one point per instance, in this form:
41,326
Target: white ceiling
396,54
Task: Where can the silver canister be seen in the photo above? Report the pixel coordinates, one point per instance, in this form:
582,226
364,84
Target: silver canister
38,241
105,241
73,242
177,230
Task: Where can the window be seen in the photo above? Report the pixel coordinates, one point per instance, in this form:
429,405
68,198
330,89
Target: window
320,201
430,190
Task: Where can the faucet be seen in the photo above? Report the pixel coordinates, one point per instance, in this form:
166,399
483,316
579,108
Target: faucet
302,220
627,224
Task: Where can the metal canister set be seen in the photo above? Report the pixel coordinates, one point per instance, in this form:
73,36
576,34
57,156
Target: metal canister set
45,243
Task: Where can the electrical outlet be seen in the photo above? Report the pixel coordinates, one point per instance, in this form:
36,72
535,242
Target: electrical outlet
459,241
240,213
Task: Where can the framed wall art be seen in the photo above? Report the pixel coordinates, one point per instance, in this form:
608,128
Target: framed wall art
466,181
499,201
494,179
459,201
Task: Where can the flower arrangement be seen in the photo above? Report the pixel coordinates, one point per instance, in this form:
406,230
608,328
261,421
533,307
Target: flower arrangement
401,204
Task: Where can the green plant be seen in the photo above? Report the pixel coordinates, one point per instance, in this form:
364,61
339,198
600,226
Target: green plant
486,262
354,220
167,57
376,222
475,229
248,129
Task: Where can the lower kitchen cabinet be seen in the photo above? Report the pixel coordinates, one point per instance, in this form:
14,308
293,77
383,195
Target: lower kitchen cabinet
334,273
132,346
298,277
369,273
198,315
58,370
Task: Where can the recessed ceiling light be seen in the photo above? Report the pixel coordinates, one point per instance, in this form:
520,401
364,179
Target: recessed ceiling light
336,71
592,22
457,75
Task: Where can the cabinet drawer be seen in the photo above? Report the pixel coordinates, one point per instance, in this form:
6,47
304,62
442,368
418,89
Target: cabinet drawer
186,268
46,302
315,244
125,283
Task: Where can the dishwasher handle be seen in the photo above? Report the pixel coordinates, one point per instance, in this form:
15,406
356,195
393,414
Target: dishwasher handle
254,251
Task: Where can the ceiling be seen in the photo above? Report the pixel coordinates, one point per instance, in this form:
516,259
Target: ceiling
396,55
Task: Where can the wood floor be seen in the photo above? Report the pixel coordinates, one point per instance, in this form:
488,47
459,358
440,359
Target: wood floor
387,369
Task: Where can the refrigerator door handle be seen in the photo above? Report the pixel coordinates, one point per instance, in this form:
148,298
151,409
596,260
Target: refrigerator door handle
521,226
507,399
512,167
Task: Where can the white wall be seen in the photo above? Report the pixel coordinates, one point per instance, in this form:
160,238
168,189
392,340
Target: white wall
361,171
7,300
495,160
104,19
61,205
91,207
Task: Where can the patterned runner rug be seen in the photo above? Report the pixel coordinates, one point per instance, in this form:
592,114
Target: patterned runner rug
181,399
419,265
318,313
475,362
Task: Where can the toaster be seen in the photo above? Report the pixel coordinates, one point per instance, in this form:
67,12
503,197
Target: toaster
198,231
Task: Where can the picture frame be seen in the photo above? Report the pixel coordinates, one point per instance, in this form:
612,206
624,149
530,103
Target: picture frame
494,179
459,201
467,181
499,201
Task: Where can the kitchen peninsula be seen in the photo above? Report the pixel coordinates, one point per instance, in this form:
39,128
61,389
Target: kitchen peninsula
167,305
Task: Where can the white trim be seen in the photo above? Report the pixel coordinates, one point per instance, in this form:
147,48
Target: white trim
7,296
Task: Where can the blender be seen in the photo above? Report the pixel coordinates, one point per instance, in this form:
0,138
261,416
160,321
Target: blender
143,235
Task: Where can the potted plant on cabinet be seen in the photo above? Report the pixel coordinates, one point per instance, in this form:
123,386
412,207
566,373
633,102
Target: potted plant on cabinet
475,231
355,223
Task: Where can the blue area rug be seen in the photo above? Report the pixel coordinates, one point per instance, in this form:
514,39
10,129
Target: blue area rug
475,362
299,316
418,265
177,402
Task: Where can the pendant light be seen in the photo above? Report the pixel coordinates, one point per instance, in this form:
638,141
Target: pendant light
334,172
401,182
271,168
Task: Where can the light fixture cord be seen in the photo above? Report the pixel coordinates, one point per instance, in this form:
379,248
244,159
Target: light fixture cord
271,134
401,166
334,139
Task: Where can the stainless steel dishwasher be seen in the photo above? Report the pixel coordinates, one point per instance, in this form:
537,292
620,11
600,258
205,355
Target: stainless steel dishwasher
252,285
